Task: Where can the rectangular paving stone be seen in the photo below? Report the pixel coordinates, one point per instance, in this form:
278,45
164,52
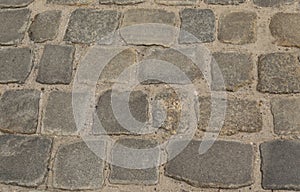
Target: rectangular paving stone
227,164
14,3
13,25
279,73
77,167
281,165
176,2
197,25
121,2
286,115
70,2
271,3
279,24
237,27
56,65
99,27
45,26
15,64
224,2
125,175
19,111
24,159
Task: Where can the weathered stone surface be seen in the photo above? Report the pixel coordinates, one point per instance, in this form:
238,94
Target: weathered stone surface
286,115
237,28
281,165
70,2
242,115
59,118
14,3
224,2
285,29
197,25
19,111
271,3
24,159
226,164
122,175
56,65
100,25
279,73
77,167
138,105
45,26
176,2
15,64
236,69
121,2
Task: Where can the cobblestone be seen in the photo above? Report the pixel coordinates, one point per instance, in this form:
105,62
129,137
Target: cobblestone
121,2
14,3
271,3
70,2
176,2
224,2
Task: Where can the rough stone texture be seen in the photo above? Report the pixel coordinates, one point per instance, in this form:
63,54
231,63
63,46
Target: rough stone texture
19,111
271,3
237,28
197,25
279,73
56,65
176,2
14,3
15,65
286,115
226,164
285,29
77,167
235,67
45,26
138,105
13,26
121,2
24,159
58,118
122,175
224,2
100,25
281,165
242,115
70,2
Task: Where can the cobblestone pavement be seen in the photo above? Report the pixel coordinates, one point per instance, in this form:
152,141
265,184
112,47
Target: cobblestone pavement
255,44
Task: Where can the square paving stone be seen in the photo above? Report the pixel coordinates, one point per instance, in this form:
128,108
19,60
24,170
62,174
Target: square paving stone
226,164
56,65
281,165
125,175
237,28
15,64
19,111
100,25
224,2
14,3
77,167
45,26
271,3
13,25
24,159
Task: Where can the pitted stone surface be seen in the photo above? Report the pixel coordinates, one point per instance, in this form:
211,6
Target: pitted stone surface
224,2
24,159
15,64
226,164
70,2
14,3
121,2
19,111
271,3
281,165
176,2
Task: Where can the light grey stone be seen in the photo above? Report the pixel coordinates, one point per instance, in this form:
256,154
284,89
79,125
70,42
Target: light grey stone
14,3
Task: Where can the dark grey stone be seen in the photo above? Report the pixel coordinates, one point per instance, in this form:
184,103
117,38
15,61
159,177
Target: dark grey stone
15,64
13,25
271,3
56,65
281,165
70,2
226,164
224,2
176,2
14,3
45,26
19,111
24,159
121,2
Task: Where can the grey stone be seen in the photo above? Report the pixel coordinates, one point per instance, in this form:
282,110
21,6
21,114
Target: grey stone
226,164
241,115
77,167
237,28
176,2
281,165
58,118
121,2
122,175
15,64
224,2
286,115
197,25
19,111
100,25
279,24
45,26
24,159
236,69
14,3
56,65
13,25
70,2
279,73
271,3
